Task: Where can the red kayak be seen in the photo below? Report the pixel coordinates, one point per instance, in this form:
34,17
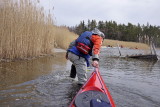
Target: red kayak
94,93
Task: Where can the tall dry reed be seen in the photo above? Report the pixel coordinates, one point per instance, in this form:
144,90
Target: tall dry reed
25,30
63,37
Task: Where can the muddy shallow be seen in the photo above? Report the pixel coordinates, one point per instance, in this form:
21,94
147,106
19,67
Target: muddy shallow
45,81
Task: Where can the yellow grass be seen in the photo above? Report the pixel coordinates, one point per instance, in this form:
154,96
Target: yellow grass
132,45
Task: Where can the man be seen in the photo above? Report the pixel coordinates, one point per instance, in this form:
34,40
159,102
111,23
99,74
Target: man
79,51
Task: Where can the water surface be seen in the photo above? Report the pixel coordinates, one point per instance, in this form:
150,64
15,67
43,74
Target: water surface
45,81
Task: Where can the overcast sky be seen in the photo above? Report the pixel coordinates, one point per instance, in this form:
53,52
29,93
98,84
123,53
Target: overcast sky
71,12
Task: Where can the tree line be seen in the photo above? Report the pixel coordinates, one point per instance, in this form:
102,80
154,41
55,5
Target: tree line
135,33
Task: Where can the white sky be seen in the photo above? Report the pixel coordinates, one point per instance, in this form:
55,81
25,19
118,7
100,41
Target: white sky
71,12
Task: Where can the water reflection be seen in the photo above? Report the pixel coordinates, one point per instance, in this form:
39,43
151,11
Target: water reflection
21,71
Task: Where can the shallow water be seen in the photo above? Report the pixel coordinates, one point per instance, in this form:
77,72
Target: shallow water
45,81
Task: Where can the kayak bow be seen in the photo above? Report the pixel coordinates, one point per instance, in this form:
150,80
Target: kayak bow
94,93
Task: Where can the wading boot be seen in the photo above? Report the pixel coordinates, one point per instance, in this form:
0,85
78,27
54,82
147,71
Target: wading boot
73,71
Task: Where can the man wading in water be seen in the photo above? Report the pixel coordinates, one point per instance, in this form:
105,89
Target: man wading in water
79,51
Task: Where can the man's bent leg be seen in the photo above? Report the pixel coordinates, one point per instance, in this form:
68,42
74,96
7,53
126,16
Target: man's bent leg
81,68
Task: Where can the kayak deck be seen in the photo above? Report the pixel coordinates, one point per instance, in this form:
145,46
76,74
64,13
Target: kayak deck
93,92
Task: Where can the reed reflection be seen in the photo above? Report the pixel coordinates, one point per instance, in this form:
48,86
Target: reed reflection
21,71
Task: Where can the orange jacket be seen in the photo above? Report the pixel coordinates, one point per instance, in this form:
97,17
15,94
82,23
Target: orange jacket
97,43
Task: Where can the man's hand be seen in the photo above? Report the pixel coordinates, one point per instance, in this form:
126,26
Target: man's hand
95,64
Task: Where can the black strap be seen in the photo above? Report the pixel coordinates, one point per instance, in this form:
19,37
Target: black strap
90,42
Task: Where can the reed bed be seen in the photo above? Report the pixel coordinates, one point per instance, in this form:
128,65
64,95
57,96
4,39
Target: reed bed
25,30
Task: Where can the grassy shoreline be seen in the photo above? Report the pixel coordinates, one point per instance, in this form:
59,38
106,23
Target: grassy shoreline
28,33
131,45
63,37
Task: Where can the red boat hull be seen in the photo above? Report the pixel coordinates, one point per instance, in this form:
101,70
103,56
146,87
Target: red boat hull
94,83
